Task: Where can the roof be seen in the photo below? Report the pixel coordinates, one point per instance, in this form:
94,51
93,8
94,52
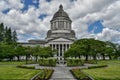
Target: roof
60,13
37,41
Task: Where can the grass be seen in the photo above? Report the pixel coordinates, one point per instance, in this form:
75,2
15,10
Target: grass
112,72
8,70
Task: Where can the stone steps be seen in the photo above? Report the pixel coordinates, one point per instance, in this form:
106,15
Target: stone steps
63,79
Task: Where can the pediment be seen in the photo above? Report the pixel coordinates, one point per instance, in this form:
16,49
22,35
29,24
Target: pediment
61,39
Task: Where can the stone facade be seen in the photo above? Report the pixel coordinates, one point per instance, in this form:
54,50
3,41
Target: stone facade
60,36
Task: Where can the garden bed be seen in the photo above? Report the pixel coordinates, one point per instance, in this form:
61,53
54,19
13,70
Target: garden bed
97,66
79,75
74,62
25,67
90,62
47,62
45,74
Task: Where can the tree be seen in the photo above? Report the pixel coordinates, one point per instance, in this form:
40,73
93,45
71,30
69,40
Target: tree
14,37
28,52
8,36
86,47
1,32
117,51
7,51
109,51
36,52
46,52
19,51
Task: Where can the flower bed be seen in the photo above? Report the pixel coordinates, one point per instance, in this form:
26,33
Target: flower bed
74,62
44,75
79,75
26,67
91,61
47,62
97,66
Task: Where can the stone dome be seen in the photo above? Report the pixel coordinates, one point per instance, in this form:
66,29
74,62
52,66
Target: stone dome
61,13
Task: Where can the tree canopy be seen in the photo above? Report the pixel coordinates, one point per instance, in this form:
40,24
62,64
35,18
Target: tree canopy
91,47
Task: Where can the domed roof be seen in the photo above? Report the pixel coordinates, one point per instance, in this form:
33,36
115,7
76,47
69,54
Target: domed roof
61,13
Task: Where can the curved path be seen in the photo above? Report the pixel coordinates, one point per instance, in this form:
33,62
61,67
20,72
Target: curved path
61,72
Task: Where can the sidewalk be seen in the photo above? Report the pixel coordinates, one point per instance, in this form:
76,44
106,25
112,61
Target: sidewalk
62,73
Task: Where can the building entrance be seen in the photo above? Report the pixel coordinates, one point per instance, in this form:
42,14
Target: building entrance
61,48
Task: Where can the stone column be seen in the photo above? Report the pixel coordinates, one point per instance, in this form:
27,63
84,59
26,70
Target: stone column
69,46
66,25
66,47
59,51
70,25
63,50
56,25
51,25
55,49
52,46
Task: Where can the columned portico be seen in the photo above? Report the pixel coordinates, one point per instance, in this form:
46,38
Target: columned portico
61,45
61,48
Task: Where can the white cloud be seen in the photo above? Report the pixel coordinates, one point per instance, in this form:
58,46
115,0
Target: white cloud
82,12
12,4
108,35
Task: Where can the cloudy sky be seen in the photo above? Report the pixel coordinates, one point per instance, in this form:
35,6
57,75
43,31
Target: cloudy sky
98,19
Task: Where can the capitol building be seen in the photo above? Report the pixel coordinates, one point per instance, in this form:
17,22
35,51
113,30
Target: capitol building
60,36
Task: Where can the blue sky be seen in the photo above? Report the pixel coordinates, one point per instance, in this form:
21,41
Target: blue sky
31,18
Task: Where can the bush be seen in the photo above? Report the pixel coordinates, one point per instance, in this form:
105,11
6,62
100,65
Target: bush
91,62
74,62
47,62
97,66
79,75
44,75
26,67
31,62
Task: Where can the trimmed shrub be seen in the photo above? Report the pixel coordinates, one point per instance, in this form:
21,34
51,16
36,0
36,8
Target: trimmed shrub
44,75
31,62
79,75
74,62
47,62
91,62
97,66
26,67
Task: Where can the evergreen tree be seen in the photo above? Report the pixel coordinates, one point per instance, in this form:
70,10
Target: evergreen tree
8,36
14,36
5,34
1,32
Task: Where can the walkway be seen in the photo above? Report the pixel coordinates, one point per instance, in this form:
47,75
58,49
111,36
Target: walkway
61,72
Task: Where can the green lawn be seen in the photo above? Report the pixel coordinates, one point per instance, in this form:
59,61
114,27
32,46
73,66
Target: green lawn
8,70
112,72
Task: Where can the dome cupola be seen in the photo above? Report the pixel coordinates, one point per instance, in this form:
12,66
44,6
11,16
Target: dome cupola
61,13
61,26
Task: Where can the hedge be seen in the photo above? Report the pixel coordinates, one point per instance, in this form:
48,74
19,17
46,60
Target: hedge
44,75
26,67
91,62
79,75
74,62
97,66
47,62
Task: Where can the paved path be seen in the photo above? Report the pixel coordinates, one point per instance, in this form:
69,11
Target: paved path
61,72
